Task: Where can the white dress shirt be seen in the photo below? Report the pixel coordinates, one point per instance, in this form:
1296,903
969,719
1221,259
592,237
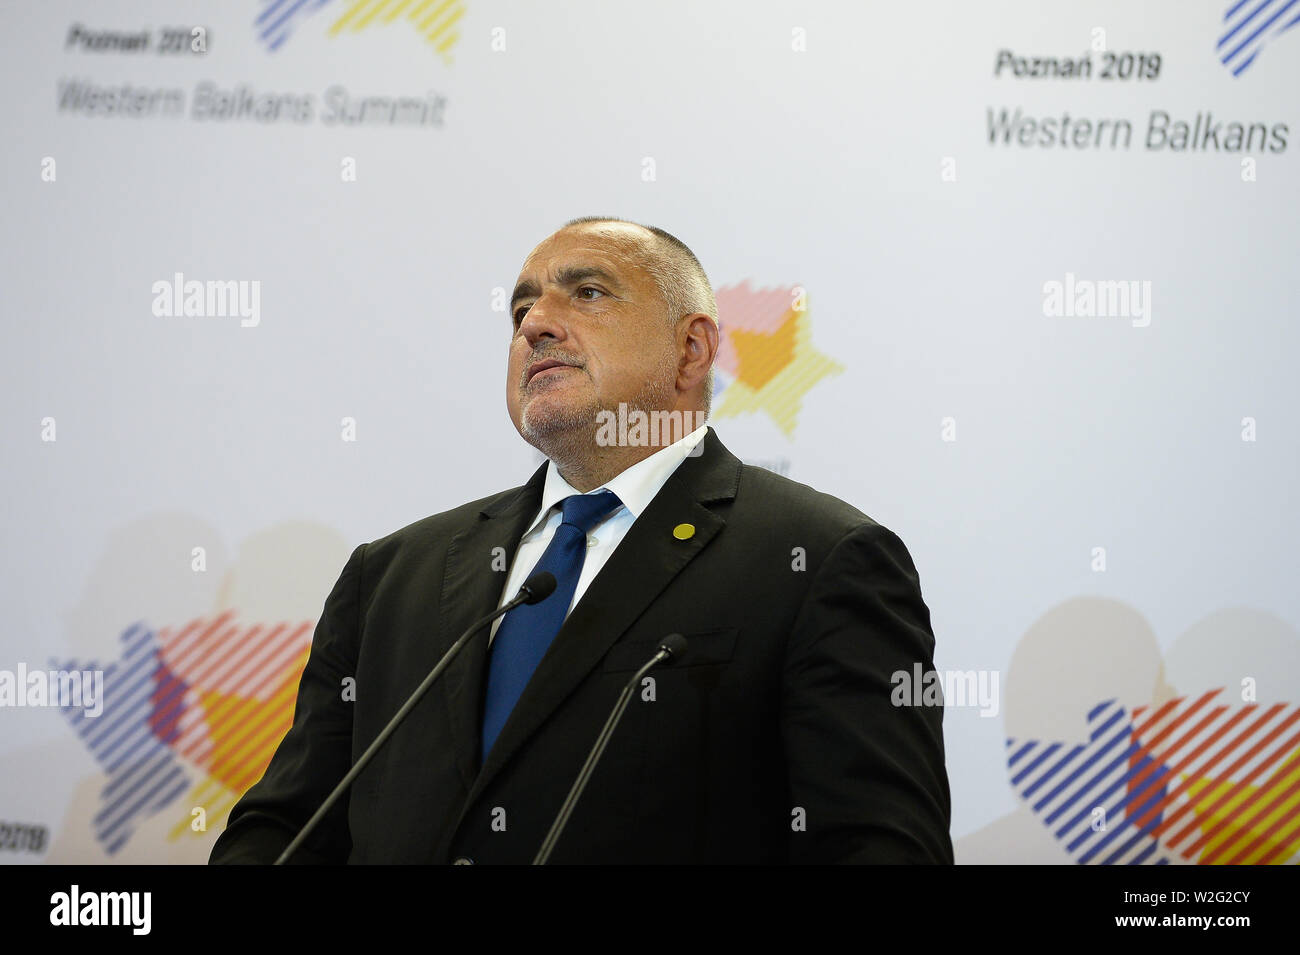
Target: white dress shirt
635,486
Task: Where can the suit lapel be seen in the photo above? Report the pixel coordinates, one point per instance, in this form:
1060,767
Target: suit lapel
471,590
642,565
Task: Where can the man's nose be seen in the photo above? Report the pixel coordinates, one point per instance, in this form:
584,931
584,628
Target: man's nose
545,319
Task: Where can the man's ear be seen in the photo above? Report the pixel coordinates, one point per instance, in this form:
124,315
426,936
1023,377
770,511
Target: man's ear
697,345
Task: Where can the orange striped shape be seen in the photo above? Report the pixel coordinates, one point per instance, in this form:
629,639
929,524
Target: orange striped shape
1245,811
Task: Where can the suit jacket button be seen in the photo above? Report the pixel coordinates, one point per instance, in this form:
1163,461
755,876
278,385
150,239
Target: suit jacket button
463,860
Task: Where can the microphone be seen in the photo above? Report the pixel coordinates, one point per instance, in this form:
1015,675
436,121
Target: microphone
670,648
534,590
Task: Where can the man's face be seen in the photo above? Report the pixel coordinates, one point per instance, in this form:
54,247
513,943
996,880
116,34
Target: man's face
584,300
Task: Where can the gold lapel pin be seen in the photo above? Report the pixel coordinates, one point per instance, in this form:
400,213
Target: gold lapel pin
684,532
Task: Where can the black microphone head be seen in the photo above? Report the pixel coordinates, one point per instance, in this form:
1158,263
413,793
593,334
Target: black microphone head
674,644
539,586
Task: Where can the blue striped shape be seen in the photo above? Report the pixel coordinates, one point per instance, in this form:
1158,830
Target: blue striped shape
1154,788
1077,776
278,17
143,774
1248,30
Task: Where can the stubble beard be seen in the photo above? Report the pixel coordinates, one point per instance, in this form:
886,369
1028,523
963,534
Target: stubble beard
559,432
567,435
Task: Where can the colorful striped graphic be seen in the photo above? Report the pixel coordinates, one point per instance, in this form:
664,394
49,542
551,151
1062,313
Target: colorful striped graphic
278,18
144,775
766,360
199,709
1238,798
1248,25
1201,777
435,20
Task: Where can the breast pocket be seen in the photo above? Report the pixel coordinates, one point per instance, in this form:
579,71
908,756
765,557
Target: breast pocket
703,648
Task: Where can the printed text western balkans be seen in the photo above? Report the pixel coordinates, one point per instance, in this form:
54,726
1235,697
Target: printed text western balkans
336,106
1202,132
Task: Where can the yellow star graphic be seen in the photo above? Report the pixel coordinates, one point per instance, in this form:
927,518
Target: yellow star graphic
1277,831
775,371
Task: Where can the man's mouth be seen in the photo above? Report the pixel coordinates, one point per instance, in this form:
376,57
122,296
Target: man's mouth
539,367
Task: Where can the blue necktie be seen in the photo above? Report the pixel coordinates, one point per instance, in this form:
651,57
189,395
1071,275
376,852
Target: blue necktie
527,631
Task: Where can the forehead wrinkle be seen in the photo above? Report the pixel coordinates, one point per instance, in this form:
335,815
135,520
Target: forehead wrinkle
638,247
570,274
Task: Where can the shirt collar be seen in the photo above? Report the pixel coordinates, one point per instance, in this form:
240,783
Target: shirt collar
635,486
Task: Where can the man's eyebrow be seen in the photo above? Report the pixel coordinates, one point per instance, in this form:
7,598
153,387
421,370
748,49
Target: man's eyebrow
569,275
525,289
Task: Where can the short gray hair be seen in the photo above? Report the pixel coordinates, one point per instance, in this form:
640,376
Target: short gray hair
681,279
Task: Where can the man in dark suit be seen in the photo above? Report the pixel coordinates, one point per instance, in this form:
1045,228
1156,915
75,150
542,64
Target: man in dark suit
772,739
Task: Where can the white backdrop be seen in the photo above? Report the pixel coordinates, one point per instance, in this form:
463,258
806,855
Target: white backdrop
1102,507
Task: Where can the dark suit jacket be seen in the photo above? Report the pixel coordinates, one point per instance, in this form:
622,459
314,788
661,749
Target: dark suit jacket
772,740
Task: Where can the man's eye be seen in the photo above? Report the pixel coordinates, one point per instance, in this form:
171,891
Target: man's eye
520,312
590,288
